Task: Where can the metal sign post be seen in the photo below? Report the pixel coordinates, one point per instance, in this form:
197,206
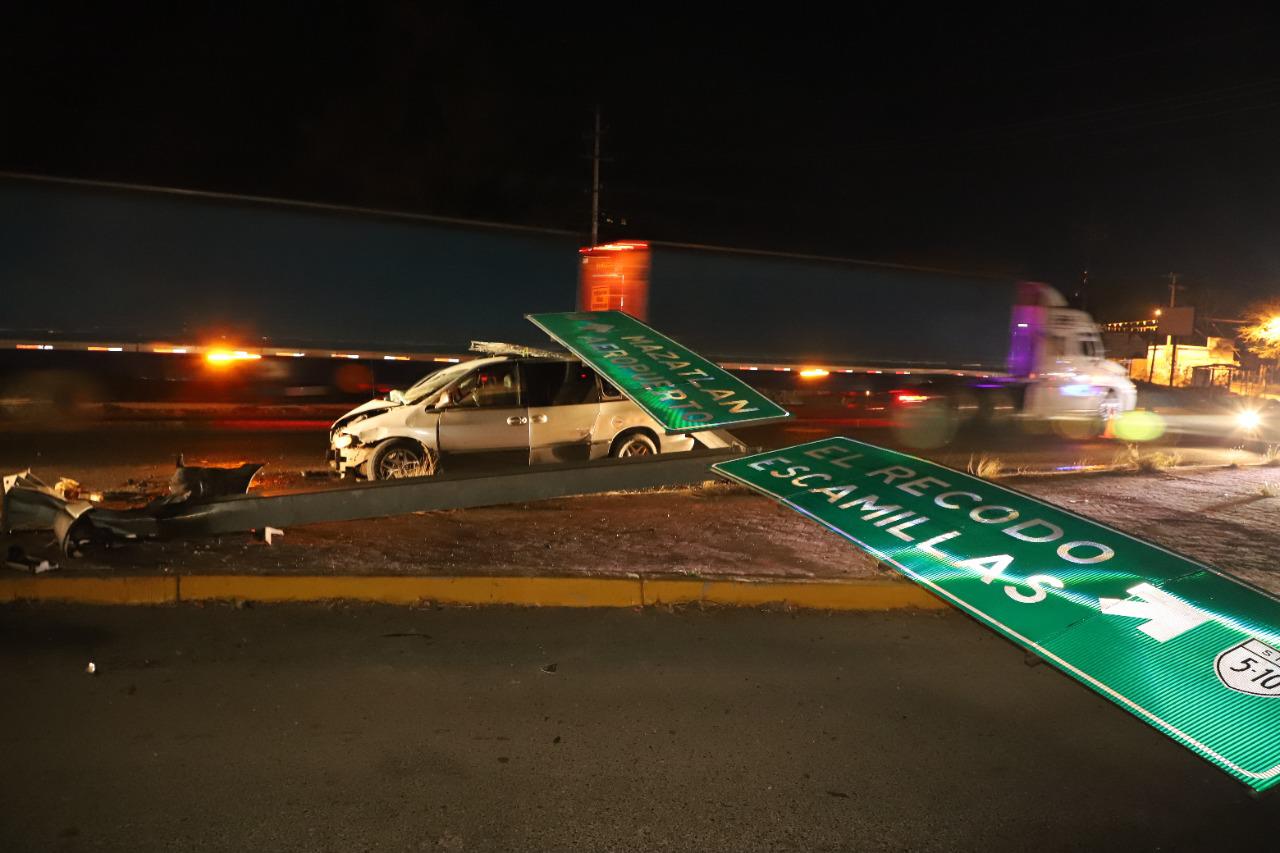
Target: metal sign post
1192,652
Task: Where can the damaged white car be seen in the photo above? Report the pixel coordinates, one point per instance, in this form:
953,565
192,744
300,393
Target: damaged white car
492,413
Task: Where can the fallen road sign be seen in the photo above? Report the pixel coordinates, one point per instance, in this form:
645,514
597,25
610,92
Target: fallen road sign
1187,649
677,387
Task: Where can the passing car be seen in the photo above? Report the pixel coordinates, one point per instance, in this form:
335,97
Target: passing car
494,413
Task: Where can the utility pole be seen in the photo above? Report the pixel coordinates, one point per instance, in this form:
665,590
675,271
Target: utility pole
595,181
1170,342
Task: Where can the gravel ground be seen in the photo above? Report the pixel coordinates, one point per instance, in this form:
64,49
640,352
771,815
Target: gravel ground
1226,517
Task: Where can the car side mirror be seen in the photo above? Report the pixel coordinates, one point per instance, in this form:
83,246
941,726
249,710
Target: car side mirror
442,401
396,396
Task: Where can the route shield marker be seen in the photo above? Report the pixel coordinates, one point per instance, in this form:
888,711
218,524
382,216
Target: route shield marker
677,387
1192,652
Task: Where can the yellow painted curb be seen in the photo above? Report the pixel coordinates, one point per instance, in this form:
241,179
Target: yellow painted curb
822,595
144,589
538,592
519,591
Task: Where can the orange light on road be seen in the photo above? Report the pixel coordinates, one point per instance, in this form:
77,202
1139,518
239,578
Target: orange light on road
814,373
621,246
222,356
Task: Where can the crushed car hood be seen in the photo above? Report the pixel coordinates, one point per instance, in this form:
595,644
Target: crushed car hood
364,410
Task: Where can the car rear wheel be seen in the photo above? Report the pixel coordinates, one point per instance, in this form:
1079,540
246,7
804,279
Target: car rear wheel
633,444
397,460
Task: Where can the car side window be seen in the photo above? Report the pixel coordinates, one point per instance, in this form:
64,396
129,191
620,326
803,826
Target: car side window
558,383
496,386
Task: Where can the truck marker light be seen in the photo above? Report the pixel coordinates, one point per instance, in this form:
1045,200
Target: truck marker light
221,356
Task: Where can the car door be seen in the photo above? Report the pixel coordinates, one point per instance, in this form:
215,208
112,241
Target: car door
563,400
485,426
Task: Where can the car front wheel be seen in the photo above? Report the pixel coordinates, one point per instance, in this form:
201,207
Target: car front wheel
397,460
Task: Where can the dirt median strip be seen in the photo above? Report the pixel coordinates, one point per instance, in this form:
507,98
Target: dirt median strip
854,594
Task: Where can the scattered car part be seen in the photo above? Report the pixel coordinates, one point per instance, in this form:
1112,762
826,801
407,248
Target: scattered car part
17,558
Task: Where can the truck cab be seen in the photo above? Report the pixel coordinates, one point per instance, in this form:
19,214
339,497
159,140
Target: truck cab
1058,351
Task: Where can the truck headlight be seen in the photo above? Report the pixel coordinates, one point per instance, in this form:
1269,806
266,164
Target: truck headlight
344,439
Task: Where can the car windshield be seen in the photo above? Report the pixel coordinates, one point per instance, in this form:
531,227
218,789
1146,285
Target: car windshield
431,383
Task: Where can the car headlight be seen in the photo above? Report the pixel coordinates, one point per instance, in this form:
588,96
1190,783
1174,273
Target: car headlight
1248,419
343,439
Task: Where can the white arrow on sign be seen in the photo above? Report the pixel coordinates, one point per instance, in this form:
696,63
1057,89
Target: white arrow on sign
1166,616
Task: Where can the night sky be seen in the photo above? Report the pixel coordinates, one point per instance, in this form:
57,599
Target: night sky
1131,143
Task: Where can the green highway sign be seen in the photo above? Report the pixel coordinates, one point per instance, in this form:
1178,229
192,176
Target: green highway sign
1189,650
677,387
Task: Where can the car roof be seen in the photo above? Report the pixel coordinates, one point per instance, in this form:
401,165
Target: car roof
498,359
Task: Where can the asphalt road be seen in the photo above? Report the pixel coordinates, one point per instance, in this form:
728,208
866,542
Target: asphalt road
306,728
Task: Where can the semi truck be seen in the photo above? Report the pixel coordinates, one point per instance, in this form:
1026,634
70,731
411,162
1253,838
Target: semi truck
923,349
129,291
